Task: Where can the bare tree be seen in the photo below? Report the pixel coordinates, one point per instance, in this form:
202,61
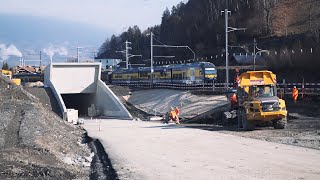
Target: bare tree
268,7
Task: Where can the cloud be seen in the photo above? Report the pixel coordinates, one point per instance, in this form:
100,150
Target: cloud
51,51
11,50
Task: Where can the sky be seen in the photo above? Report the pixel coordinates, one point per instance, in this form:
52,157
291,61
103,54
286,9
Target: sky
112,15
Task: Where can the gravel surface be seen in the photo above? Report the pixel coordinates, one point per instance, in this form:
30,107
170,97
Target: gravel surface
149,150
159,101
303,126
35,143
46,97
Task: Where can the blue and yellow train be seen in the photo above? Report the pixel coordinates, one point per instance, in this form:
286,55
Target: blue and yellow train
193,73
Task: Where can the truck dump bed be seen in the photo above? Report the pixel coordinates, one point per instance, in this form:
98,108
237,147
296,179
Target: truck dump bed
252,78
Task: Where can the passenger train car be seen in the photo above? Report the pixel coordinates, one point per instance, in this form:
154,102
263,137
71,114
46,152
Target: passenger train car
193,73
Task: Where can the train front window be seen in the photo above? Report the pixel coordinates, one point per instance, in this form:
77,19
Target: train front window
211,71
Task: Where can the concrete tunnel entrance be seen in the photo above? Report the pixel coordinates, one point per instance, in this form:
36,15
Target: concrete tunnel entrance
80,102
77,86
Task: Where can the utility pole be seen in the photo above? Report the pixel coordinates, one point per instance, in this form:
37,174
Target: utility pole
40,59
226,16
227,30
254,53
151,57
127,53
78,54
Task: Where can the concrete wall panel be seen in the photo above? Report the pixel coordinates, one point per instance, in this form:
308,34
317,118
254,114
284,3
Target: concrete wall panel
109,102
75,79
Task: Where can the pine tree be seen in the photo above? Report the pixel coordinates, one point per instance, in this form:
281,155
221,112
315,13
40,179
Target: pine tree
5,66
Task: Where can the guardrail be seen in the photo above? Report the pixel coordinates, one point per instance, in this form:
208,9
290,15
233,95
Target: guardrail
306,88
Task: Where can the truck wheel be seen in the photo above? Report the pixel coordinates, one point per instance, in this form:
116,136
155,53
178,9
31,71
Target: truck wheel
280,124
247,125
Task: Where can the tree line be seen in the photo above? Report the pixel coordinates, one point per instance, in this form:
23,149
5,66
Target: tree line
200,25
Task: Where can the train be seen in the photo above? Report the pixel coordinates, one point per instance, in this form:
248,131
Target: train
29,77
191,73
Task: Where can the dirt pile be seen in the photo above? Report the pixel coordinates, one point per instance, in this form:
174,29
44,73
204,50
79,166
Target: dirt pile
159,101
149,102
34,142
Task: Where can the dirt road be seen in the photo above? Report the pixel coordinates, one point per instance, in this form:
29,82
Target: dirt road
146,150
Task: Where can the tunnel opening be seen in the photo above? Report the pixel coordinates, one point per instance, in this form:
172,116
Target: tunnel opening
80,102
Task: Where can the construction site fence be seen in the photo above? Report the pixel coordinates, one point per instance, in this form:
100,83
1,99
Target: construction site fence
304,88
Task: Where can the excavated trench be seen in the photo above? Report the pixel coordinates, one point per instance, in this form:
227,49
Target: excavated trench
101,167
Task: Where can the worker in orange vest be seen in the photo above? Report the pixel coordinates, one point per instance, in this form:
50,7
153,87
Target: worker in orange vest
173,116
295,94
234,101
177,110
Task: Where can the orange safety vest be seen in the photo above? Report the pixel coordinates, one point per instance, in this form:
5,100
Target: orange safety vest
177,110
295,93
173,114
234,100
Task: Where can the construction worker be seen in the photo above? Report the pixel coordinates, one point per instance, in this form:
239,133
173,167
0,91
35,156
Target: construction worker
177,110
295,94
233,101
236,82
261,91
173,116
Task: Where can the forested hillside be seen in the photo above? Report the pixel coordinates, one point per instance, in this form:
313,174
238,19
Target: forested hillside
278,25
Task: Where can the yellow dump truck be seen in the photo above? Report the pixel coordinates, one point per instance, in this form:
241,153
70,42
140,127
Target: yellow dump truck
7,73
258,101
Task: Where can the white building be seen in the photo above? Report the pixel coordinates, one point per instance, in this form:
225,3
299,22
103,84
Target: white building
108,63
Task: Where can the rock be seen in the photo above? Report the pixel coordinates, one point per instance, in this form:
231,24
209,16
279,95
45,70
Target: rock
68,160
89,158
86,164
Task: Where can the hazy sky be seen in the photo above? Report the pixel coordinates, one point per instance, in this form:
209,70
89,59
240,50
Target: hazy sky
113,15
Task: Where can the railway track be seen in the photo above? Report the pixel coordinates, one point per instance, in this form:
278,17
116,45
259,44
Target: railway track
306,88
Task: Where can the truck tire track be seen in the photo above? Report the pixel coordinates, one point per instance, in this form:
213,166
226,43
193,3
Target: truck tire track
12,138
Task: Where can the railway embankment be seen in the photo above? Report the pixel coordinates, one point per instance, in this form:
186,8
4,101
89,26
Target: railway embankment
157,102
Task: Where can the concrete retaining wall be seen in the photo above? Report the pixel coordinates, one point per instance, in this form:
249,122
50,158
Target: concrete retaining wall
55,92
109,102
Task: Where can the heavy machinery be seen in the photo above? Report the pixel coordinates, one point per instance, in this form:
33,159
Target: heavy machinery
8,74
258,102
